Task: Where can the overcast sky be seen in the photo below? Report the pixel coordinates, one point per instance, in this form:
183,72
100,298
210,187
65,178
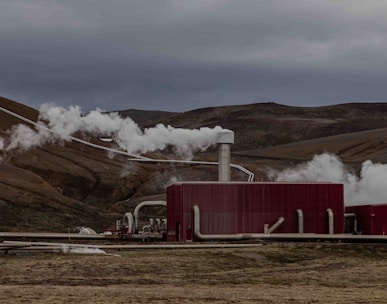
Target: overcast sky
178,55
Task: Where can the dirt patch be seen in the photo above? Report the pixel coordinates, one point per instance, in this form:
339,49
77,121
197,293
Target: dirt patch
274,273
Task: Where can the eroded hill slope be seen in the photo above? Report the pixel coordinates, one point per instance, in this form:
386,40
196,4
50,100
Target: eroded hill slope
65,184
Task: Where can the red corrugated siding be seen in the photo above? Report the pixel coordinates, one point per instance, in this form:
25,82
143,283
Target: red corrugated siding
371,219
228,208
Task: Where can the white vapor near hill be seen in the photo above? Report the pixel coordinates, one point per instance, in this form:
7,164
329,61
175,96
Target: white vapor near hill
60,123
369,188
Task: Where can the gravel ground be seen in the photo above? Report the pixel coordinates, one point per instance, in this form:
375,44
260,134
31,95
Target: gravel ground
272,273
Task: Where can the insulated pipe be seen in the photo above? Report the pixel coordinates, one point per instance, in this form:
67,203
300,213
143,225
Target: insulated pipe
219,237
128,220
300,214
354,216
143,204
330,221
158,224
276,225
194,162
225,139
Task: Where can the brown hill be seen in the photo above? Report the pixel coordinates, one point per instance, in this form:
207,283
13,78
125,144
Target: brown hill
7,121
61,186
263,125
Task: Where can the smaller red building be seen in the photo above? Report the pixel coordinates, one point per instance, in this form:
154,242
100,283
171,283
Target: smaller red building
370,219
234,208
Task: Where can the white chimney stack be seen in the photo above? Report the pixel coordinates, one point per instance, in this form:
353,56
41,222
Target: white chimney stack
225,139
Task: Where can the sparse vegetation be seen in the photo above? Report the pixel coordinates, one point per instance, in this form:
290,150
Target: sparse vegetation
273,273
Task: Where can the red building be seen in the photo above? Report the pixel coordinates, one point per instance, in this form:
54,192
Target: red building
370,219
233,208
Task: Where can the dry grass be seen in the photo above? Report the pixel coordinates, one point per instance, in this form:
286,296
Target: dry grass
274,273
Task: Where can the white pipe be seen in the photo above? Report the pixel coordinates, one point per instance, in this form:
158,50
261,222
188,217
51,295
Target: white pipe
128,220
152,223
142,204
147,227
266,228
158,224
354,216
276,225
330,221
300,214
220,237
194,162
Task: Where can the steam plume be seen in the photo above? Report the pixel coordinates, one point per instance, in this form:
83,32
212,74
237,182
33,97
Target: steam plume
58,122
369,188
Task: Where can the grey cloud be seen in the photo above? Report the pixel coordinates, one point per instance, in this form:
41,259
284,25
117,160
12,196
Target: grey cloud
179,55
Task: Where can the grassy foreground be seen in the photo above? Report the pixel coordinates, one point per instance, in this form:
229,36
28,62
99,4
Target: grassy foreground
272,273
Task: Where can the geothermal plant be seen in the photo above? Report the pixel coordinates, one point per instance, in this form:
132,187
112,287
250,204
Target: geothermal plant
224,210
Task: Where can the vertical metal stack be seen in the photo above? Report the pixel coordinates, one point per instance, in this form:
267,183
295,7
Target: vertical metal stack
225,139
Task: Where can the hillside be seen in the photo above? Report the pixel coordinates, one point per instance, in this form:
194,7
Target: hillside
66,184
263,125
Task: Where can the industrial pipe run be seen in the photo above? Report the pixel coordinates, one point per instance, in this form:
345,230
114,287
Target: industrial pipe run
143,204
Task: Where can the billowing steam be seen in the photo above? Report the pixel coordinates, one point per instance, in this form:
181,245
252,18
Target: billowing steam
369,188
58,122
23,137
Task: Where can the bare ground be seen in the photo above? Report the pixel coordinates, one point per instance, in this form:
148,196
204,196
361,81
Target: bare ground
273,273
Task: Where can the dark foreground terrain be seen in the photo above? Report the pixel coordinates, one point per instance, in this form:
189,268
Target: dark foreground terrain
272,273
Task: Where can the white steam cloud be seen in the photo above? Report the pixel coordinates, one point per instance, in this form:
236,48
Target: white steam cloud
64,122
369,188
23,137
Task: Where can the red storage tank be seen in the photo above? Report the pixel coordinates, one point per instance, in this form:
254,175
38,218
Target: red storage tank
230,208
371,219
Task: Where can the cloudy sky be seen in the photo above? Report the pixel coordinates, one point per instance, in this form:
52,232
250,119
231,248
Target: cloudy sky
178,55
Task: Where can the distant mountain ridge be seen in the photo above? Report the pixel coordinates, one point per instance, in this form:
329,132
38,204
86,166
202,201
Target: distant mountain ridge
268,124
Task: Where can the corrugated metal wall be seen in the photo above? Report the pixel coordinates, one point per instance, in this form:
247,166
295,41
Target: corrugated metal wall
371,219
228,208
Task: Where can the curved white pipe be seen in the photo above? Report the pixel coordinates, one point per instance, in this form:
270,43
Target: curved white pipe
128,220
142,204
300,214
221,237
330,221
